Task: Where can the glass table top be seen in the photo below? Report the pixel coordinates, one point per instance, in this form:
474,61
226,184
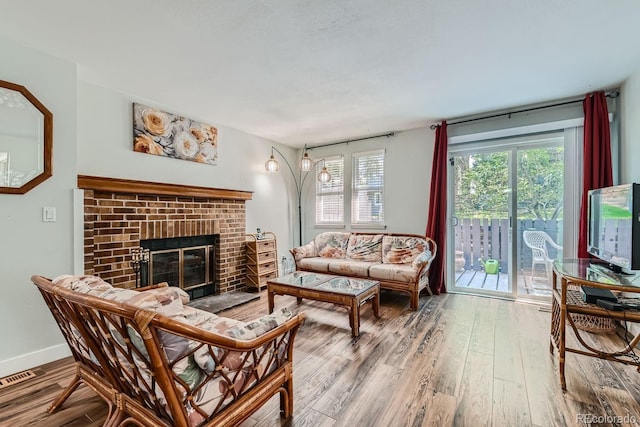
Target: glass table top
327,282
595,271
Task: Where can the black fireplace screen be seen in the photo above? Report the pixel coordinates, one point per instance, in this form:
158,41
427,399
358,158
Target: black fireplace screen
186,262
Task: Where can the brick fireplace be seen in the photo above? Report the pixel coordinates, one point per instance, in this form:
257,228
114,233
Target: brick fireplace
119,214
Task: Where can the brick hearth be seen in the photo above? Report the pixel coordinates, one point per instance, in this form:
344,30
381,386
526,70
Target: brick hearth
119,213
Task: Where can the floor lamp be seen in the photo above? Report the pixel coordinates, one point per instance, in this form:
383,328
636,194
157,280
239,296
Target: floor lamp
305,165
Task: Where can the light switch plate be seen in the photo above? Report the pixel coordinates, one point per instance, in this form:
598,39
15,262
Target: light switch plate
48,214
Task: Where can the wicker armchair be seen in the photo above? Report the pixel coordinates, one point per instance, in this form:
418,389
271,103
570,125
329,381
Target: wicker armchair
143,364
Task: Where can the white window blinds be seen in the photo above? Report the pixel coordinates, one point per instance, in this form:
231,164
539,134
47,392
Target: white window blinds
330,195
367,198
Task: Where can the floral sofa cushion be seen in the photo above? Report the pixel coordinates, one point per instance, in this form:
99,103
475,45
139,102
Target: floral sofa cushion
401,250
397,272
365,247
332,244
320,265
345,267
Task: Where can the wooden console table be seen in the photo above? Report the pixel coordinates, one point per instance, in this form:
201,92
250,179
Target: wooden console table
567,300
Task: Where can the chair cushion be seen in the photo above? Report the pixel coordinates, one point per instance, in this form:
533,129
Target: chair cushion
332,244
350,268
91,285
398,272
320,265
401,249
365,247
167,301
260,325
233,372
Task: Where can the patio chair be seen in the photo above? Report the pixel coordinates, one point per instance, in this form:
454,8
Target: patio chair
537,240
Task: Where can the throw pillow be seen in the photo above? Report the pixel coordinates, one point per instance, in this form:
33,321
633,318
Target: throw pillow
365,247
401,249
332,244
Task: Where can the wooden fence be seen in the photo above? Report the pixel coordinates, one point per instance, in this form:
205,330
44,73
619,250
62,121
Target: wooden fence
482,239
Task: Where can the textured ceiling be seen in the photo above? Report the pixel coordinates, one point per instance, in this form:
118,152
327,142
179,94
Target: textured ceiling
316,71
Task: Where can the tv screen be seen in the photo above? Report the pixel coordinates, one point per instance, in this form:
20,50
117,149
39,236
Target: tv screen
614,215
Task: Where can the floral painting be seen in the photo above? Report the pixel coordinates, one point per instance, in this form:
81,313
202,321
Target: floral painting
170,135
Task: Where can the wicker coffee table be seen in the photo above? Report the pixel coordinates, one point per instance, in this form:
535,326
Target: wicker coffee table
345,291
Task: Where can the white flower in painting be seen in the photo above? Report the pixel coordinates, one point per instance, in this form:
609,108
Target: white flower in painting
208,153
181,124
185,145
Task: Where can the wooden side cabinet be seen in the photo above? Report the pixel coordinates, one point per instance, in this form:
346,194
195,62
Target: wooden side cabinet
262,259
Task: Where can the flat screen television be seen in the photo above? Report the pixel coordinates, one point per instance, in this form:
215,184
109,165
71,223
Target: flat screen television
614,226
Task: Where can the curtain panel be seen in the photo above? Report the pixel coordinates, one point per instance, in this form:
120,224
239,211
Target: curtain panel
597,171
437,218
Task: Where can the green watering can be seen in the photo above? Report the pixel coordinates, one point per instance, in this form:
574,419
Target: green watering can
491,266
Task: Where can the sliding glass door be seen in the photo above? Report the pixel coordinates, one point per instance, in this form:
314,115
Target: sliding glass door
506,200
481,226
539,215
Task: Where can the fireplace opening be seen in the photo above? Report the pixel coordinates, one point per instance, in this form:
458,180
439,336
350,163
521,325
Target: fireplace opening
186,262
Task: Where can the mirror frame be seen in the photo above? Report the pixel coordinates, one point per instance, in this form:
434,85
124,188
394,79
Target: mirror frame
48,141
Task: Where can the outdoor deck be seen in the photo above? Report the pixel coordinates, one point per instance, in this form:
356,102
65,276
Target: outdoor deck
478,279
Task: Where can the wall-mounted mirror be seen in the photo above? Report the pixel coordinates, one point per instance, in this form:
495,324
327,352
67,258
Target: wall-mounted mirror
26,140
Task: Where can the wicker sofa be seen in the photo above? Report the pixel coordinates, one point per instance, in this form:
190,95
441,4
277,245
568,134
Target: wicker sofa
400,262
159,362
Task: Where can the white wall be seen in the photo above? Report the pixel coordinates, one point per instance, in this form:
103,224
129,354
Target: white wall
29,246
408,159
630,147
105,149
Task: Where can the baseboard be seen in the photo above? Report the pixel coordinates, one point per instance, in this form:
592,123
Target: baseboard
31,360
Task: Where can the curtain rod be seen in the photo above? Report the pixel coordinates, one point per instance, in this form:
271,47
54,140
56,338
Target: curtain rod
612,94
390,134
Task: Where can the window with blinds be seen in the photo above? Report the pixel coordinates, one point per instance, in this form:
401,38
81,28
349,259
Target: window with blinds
330,195
367,197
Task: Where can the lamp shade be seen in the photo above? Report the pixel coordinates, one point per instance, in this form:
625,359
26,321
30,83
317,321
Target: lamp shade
324,175
272,164
306,163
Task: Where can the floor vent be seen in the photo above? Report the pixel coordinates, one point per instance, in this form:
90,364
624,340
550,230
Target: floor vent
16,378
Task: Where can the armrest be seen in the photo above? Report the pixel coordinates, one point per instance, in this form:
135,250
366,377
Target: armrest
554,244
423,259
306,251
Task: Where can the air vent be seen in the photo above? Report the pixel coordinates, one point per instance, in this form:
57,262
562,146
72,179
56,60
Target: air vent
16,378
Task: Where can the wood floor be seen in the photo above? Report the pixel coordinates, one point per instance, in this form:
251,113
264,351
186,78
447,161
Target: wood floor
460,360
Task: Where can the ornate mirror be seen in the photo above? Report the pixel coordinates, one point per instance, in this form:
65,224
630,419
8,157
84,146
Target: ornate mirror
26,140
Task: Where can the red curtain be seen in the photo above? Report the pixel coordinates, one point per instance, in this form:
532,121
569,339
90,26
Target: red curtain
597,157
437,219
